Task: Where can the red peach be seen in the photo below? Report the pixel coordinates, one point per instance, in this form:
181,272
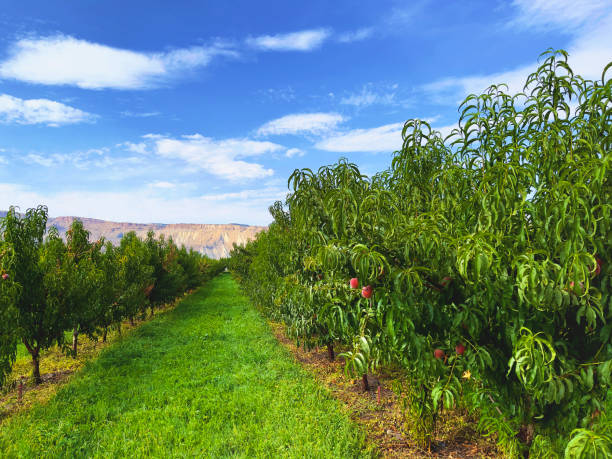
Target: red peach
446,281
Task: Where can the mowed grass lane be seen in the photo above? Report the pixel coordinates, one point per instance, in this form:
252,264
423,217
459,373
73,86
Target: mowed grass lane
206,379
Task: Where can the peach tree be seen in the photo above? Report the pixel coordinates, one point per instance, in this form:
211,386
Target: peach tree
9,292
489,255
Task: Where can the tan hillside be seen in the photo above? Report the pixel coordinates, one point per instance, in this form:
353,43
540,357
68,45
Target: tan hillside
214,241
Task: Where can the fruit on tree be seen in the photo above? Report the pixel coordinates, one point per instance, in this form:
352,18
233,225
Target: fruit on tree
354,282
366,291
438,206
5,276
446,281
598,266
578,289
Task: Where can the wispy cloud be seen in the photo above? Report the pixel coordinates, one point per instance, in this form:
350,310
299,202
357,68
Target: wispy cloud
65,60
221,158
163,185
565,14
305,40
40,111
387,138
589,50
382,139
355,35
404,14
452,90
302,123
42,160
266,194
141,147
293,152
371,94
129,114
286,94
101,158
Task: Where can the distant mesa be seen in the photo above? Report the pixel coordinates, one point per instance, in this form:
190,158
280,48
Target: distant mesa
214,241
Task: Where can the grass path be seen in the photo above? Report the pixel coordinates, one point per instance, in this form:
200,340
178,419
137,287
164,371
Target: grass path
207,379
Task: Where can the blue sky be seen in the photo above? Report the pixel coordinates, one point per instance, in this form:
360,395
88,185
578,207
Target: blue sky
197,112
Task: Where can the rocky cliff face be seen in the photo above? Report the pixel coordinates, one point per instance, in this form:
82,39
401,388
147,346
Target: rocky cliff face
214,241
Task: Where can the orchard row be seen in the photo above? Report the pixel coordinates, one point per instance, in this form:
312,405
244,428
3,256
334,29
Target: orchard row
484,261
49,286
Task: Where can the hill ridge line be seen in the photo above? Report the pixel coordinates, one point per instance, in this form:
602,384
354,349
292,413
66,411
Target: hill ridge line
214,240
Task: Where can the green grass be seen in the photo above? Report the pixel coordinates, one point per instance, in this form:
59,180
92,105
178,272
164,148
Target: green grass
207,379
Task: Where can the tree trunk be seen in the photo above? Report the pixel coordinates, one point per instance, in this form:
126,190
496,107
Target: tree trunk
152,307
36,368
75,341
104,334
364,379
35,353
330,351
119,328
132,321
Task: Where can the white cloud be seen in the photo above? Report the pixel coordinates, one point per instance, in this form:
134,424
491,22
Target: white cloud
279,94
305,40
372,95
311,123
129,114
65,60
356,35
40,160
140,147
163,185
218,157
268,194
86,160
387,138
40,111
145,205
590,50
405,14
453,89
152,136
557,13
292,152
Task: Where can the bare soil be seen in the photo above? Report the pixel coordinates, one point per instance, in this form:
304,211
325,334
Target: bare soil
379,410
